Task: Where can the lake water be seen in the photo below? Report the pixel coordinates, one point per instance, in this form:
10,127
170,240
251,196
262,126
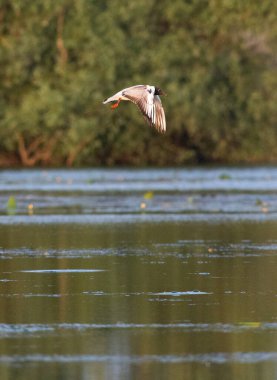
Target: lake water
138,274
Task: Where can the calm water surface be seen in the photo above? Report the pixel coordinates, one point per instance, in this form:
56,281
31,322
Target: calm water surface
138,274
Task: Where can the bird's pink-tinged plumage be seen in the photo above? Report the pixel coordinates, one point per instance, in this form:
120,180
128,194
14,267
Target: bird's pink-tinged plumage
148,101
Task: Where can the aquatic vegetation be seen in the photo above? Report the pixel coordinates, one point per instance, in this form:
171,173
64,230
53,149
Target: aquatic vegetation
148,195
224,176
11,205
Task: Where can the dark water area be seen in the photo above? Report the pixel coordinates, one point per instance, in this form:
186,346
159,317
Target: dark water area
138,274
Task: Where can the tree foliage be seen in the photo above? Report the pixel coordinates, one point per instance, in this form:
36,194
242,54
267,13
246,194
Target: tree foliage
59,59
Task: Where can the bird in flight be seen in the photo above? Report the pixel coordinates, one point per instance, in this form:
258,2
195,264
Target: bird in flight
148,101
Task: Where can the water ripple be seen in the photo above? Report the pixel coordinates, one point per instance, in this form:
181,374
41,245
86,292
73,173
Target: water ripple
12,329
216,358
62,270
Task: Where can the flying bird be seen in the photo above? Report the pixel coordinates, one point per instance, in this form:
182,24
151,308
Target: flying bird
148,101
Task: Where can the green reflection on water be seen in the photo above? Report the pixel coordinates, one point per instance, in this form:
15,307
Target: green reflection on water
220,274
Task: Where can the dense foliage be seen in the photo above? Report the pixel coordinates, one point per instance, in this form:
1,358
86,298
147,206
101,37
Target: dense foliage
60,58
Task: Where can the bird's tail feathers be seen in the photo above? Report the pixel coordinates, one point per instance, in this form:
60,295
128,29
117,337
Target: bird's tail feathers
107,100
113,98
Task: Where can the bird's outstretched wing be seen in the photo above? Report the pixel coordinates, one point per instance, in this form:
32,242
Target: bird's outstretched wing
149,104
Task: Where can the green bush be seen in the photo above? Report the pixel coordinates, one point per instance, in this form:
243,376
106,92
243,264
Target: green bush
216,60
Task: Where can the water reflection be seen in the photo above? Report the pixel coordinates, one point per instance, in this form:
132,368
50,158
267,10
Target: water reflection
91,196
136,298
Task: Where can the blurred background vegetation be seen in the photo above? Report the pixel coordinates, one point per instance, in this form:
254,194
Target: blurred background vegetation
216,60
